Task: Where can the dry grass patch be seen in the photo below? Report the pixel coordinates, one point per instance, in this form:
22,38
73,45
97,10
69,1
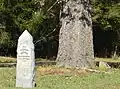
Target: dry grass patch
60,71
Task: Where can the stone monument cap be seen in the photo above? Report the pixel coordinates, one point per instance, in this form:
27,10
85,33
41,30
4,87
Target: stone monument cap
25,35
26,38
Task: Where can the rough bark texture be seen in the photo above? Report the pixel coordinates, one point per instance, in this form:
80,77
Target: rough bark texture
75,38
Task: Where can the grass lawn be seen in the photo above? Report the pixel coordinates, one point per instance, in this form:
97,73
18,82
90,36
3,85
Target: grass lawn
107,60
10,59
60,78
7,59
14,60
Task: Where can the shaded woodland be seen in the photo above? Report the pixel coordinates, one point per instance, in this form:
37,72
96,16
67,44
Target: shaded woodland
41,19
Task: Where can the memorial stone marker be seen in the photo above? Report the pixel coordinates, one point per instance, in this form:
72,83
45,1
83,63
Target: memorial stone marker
25,61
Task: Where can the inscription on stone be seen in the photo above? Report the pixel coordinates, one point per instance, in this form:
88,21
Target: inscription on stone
25,61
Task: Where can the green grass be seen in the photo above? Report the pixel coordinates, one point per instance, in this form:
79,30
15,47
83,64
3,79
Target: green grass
7,59
107,60
64,81
13,60
10,59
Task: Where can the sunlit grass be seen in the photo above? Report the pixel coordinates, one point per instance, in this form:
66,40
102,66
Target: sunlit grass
52,77
10,59
60,78
13,60
7,59
108,60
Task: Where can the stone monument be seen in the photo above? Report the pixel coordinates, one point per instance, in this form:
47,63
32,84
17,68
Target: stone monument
25,61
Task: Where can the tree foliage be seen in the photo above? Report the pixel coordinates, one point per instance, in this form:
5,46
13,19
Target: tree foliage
33,15
106,20
41,18
107,14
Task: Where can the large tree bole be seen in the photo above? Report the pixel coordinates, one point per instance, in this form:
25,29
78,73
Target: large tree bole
76,38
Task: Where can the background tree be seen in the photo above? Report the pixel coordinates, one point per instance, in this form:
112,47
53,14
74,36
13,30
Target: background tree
75,39
41,18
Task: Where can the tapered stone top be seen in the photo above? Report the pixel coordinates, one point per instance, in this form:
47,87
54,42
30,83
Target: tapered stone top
26,38
25,34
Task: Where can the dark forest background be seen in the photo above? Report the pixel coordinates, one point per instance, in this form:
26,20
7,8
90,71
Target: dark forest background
41,19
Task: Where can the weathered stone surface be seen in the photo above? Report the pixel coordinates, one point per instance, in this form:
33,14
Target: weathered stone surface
103,65
25,61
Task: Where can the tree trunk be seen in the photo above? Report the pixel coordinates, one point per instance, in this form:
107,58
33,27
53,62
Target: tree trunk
75,38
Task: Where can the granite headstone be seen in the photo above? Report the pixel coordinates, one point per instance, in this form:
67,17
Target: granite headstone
25,61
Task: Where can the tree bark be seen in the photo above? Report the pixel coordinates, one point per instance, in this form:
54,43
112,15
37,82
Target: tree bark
75,38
